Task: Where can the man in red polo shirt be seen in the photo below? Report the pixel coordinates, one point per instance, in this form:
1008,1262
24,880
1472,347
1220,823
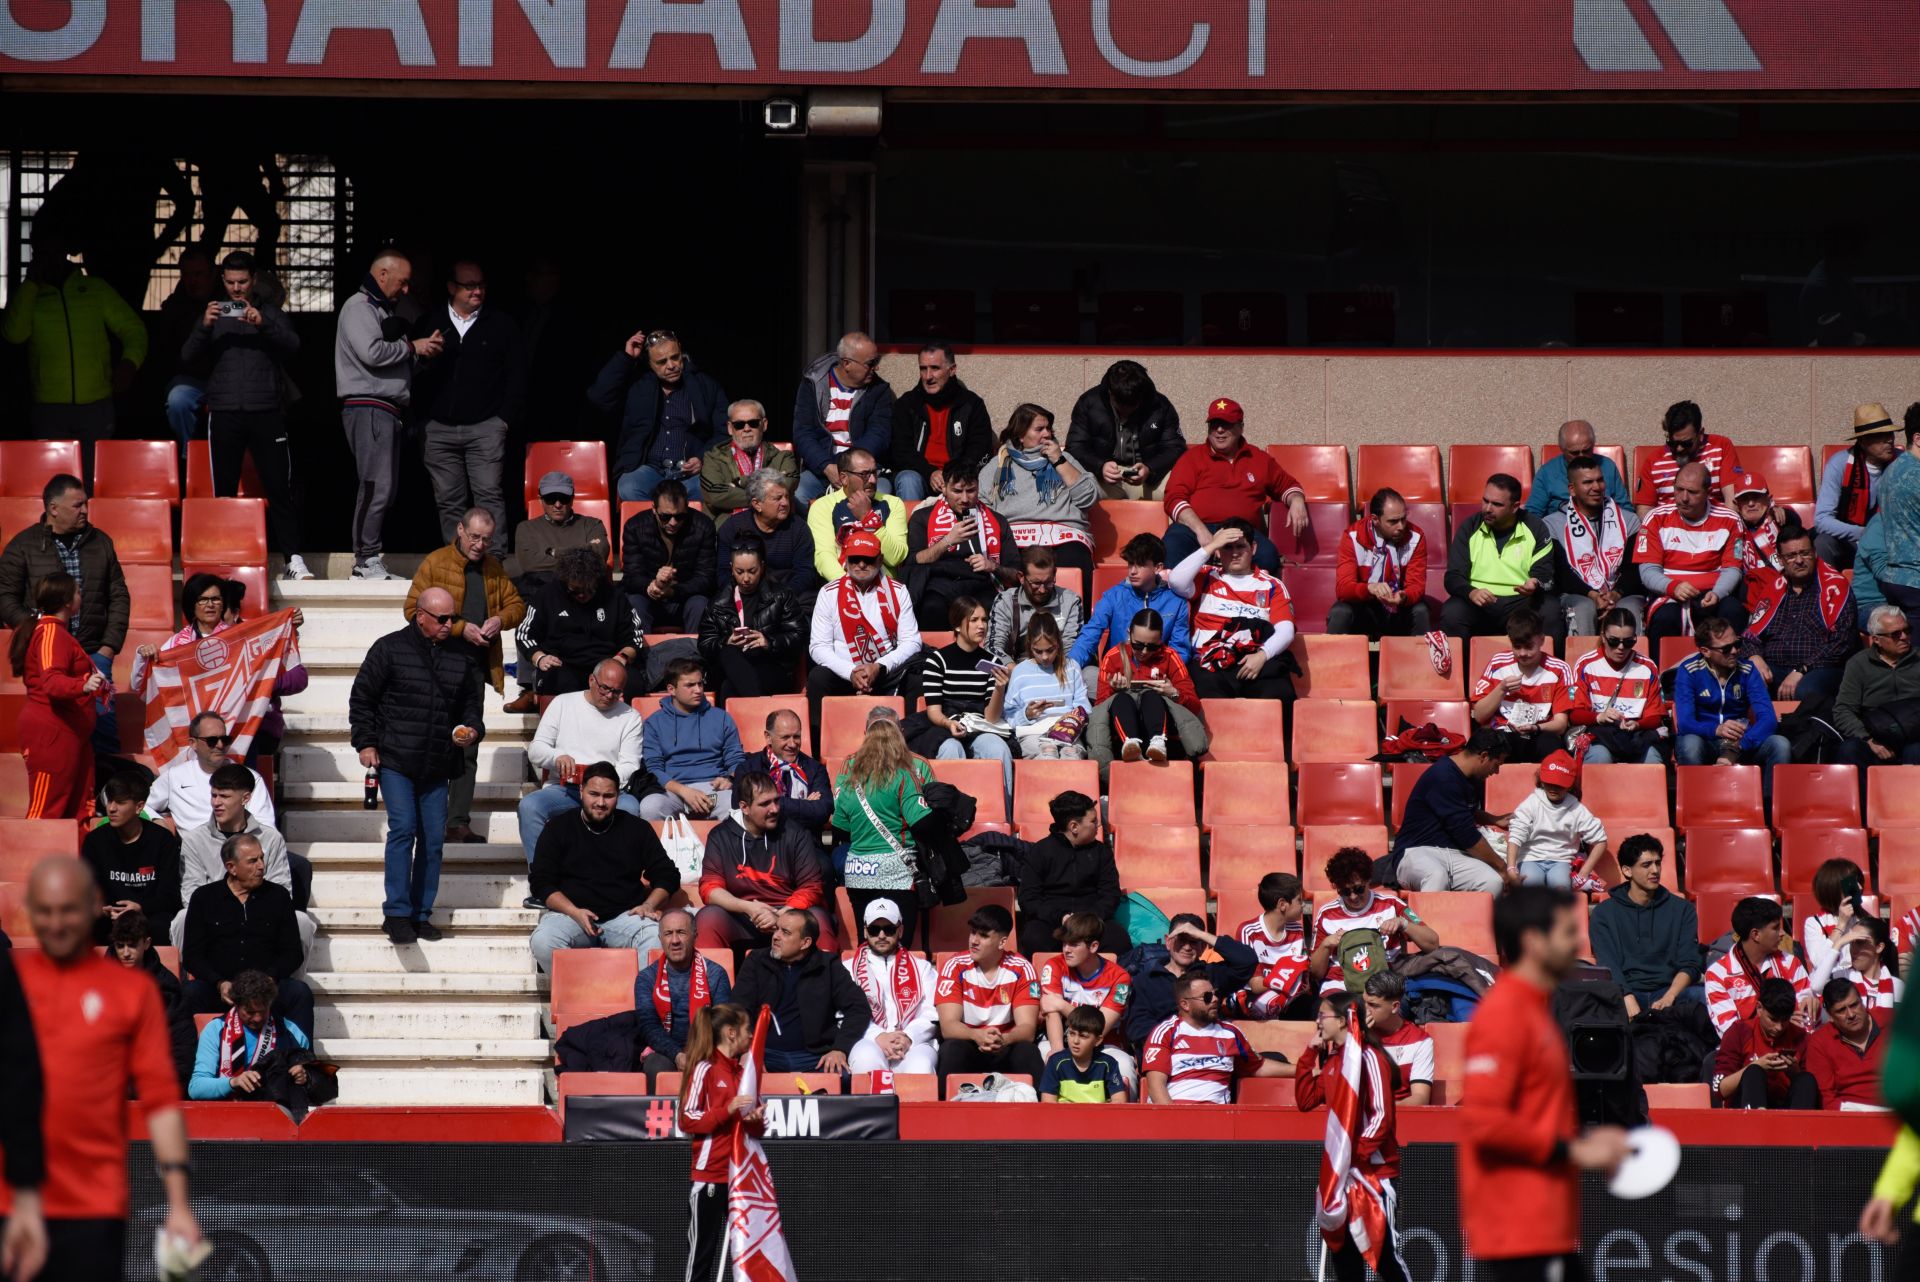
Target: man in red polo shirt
100,1028
1844,1053
1521,1148
1226,477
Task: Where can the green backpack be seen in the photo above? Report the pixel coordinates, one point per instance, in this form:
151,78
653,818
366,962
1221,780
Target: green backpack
1142,919
1361,956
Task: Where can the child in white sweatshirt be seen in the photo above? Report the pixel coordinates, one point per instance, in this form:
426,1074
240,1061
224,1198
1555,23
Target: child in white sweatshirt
1552,835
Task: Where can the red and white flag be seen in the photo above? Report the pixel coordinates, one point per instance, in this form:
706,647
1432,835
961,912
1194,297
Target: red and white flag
231,672
1349,1201
753,1208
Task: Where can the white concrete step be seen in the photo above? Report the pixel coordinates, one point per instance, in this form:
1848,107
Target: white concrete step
500,826
477,1050
428,985
457,890
443,1084
330,725
503,794
353,1018
338,762
459,954
331,855
478,921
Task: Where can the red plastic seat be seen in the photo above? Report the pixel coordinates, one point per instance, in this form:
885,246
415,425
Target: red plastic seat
590,982
1405,775
983,780
1899,861
9,683
1245,730
843,724
1332,667
1173,900
1340,793
1469,466
11,706
13,783
1320,469
1730,859
1314,591
1406,670
1037,783
150,596
1607,869
141,529
1318,844
1718,797
946,928
1462,918
1788,469
584,461
1106,574
200,474
1816,796
750,718
1239,855
1290,1037
1319,544
1140,792
918,1087
136,470
1675,651
27,466
576,1084
1265,1092
1242,792
1803,850
224,531
1893,797
600,509
17,514
1329,730
1115,521
1714,910
1664,1097
1626,797
24,842
255,600
1643,457
803,1083
1158,855
1449,714
1510,786
1413,470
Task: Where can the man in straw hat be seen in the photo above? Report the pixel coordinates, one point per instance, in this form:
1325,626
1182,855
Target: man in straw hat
1850,484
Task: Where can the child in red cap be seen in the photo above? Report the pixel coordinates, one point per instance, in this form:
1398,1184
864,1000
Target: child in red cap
1553,836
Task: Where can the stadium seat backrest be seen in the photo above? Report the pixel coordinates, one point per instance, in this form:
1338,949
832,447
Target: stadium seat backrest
1264,1092
1406,670
1239,855
1332,668
1413,470
843,724
255,601
1510,786
983,780
24,842
1143,793
19,513
13,782
1714,909
1314,592
1816,796
1339,793
1481,650
1787,468
1319,843
9,683
1899,861
1607,869
141,529
1893,797
1803,850
1318,545
590,982
11,706
136,470
27,466
1158,855
1469,466
1115,521
1453,715
947,923
1290,1037
1173,900
150,596
1334,730
1245,730
1038,782
200,474
1243,792
229,531
574,1085
1320,469
1462,918
1717,797
1404,775
750,719
1626,794
1106,575
803,1083
1578,648
584,461
1664,1097
1449,1050
1738,859
919,1087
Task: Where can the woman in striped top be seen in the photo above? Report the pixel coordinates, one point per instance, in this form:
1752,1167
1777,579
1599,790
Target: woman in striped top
57,722
963,680
1046,701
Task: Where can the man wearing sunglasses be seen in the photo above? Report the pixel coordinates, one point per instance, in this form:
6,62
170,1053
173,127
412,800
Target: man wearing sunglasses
668,562
864,634
1721,708
899,989
859,506
724,469
670,411
842,403
184,792
1885,673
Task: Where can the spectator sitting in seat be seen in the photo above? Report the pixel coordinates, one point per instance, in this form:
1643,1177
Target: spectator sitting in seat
1804,624
601,875
1687,442
135,863
1501,560
757,864
669,408
899,987
1145,694
864,633
235,1053
1154,969
768,517
130,942
1046,701
819,1013
957,548
1242,619
1225,479
1195,1057
726,468
877,802
594,724
1688,555
1082,1074
1761,1062
1518,692
941,428
1615,698
989,1003
691,746
203,849
1440,845
1380,574
1406,1043
1593,534
1081,977
243,922
1359,905
1645,935
1042,492
1035,594
1875,964
1070,872
538,542
1721,713
1885,673
1552,838
1278,938
671,990
1850,484
578,621
668,561
1827,935
1553,483
753,633
806,790
1144,588
183,792
1128,431
842,403
965,687
1845,1053
858,507
1733,983
1752,501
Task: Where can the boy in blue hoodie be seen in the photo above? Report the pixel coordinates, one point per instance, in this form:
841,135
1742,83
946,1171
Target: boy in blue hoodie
1143,589
692,747
1722,712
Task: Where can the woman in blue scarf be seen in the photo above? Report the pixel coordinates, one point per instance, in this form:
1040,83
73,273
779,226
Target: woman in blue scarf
1041,491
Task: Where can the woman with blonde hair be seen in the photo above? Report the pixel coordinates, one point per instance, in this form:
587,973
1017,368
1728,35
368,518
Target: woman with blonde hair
712,1111
1046,698
880,805
1041,491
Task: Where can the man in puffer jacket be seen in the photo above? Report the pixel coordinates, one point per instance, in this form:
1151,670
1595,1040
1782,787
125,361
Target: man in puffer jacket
414,711
70,322
692,747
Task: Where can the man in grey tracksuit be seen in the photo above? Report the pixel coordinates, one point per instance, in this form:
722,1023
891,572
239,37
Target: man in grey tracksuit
373,375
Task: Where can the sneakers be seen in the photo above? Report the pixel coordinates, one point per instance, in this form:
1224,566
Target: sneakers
398,930
525,701
1130,750
426,930
1157,750
532,902
373,568
296,568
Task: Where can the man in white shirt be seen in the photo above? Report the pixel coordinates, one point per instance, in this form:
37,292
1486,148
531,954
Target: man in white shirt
864,632
183,792
899,988
576,730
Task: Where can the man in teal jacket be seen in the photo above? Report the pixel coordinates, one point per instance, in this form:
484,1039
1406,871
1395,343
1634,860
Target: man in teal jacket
70,322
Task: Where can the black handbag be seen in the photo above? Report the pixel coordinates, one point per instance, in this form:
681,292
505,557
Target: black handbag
1893,725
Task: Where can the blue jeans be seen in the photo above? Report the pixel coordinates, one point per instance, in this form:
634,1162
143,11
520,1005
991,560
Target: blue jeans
779,1061
543,805
185,396
639,486
1557,873
1774,750
1818,682
416,829
1597,755
985,747
906,486
1691,993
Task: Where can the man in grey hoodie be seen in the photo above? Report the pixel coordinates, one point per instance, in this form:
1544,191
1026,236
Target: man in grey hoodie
1647,935
373,375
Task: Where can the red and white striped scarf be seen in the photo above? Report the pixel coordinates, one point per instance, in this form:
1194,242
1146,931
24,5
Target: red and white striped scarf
233,1043
1350,1201
941,519
863,643
698,993
747,464
1596,553
907,994
1879,994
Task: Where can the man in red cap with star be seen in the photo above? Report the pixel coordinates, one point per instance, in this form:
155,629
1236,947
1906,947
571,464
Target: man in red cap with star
1223,478
865,634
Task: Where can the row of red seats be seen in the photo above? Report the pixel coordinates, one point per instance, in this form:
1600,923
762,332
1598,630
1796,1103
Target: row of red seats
122,469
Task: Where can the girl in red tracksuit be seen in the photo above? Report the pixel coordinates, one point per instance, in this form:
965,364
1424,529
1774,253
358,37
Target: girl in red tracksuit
1376,1149
56,726
712,1111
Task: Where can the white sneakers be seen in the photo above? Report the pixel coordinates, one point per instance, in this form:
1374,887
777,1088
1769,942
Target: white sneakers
296,568
372,568
1130,750
1157,750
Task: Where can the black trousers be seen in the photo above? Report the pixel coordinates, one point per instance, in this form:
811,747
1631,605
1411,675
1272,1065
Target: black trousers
294,1002
1349,1265
958,1055
1138,714
1371,619
85,1251
1532,747
746,675
1532,1268
1802,1091
1227,683
707,1246
231,436
1461,618
653,1063
1670,619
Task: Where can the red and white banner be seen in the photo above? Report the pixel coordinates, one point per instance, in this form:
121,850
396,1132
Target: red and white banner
1234,45
753,1208
1348,1202
231,673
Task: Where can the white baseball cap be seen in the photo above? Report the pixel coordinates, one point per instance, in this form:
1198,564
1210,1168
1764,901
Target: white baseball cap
881,910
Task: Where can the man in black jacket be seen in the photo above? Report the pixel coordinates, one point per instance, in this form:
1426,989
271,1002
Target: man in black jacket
470,393
42,549
243,922
578,621
668,561
1154,967
957,548
1128,432
818,1011
806,791
940,428
601,874
1069,871
414,709
753,635
769,517
249,342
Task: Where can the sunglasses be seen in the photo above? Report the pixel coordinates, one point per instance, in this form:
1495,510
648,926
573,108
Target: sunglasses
882,928
667,518
469,285
438,618
662,336
556,499
1208,996
1354,891
1896,634
861,560
747,422
1731,647
215,740
1143,647
872,364
1616,643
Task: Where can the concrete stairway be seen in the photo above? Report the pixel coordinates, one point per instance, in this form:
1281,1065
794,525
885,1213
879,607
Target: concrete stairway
457,1021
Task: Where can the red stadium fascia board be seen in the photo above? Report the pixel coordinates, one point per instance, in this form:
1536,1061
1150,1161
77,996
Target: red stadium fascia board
1238,47
506,1125
224,1120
